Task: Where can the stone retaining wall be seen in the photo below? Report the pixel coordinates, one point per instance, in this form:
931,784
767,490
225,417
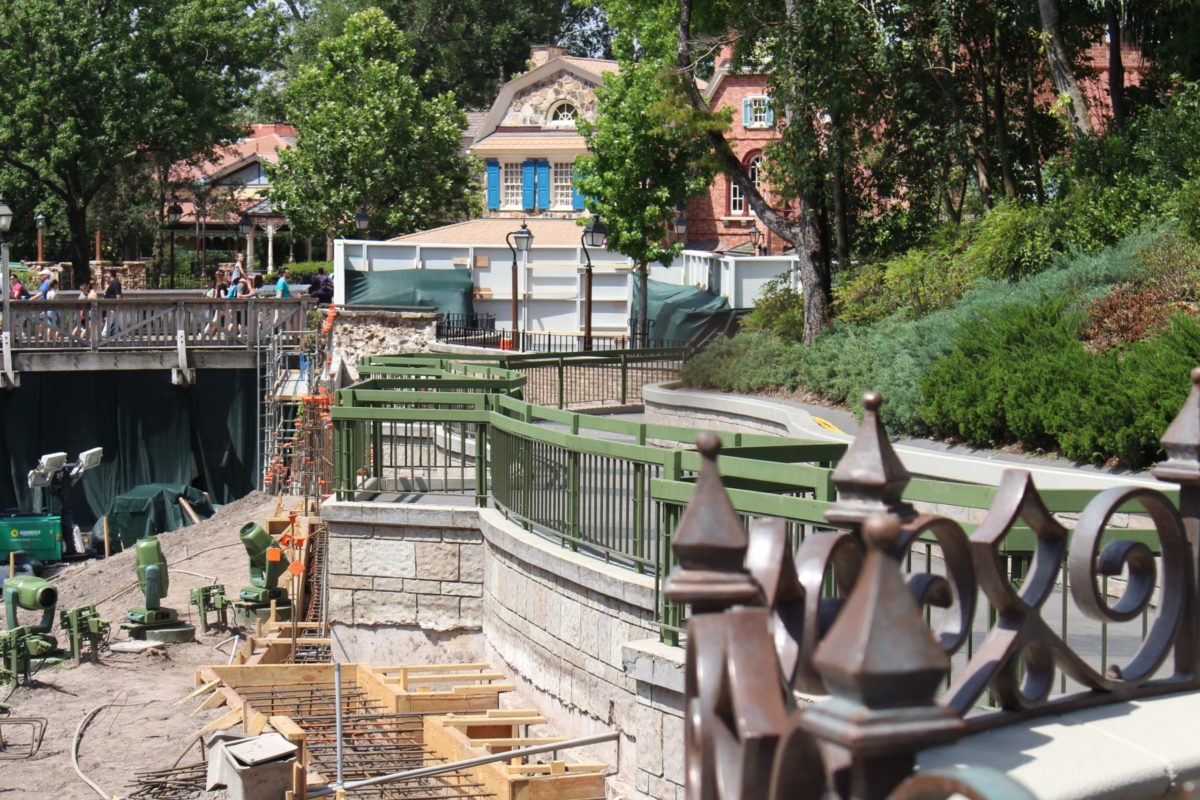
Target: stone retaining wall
374,333
576,636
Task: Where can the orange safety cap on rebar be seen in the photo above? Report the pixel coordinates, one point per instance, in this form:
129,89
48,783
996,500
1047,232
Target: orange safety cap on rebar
296,568
274,554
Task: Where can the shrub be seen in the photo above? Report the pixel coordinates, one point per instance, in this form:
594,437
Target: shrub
1013,241
1129,312
779,310
749,362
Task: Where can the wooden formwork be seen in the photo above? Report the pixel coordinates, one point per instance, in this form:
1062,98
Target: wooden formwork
456,737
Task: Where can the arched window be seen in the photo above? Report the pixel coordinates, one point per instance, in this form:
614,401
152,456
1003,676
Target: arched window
737,200
563,112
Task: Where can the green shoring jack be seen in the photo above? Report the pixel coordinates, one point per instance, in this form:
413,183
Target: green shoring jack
154,582
21,644
84,625
267,564
210,598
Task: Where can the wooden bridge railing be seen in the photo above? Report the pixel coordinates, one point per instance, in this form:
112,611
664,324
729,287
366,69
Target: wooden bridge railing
152,324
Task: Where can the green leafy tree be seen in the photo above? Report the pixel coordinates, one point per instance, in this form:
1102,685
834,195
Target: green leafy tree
368,138
469,47
647,157
88,87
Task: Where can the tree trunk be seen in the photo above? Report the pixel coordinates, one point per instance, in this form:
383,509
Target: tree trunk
1116,67
800,233
1035,148
80,243
1061,72
1001,118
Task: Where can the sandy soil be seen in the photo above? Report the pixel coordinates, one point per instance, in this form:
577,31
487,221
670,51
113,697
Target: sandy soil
144,729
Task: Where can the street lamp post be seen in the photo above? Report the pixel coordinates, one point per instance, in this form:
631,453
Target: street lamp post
523,239
174,213
755,237
680,226
40,219
362,220
201,191
6,217
594,235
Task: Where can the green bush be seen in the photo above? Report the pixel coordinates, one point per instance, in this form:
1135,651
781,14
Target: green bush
752,361
779,310
1012,242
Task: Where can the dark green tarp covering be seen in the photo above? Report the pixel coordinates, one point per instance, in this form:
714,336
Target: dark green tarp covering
447,290
151,509
681,314
151,432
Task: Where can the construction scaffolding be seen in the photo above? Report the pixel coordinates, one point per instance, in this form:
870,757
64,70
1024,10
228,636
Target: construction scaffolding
296,443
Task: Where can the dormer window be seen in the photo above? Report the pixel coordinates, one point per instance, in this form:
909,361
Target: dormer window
563,113
757,112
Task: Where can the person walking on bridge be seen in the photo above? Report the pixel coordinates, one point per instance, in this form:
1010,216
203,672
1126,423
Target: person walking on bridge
111,292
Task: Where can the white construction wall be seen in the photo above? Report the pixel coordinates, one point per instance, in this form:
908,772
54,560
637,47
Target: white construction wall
550,279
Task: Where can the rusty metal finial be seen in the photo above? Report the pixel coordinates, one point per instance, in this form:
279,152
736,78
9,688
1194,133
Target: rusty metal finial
1181,442
710,543
883,668
870,478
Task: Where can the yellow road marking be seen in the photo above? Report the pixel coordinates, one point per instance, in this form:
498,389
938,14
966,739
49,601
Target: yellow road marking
827,425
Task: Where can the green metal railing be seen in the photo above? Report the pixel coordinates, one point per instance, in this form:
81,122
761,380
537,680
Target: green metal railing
606,487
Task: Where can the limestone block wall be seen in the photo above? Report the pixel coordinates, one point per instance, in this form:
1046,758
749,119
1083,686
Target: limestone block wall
432,583
414,572
371,333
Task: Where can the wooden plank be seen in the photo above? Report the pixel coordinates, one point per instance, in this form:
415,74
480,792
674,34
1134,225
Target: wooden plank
450,677
517,741
230,718
459,667
464,722
201,690
214,700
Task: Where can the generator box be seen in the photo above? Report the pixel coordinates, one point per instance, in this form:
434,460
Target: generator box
41,537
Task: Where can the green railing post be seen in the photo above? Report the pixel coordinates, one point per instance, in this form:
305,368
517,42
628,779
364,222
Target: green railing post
639,515
482,467
377,453
669,613
573,486
624,380
562,400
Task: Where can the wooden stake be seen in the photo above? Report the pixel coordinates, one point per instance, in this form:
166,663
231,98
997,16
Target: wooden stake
107,551
191,512
12,564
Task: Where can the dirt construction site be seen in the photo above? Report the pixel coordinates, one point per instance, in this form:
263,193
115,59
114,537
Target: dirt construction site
255,707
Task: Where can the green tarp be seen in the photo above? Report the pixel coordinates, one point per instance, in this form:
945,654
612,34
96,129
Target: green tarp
447,290
681,314
151,432
151,509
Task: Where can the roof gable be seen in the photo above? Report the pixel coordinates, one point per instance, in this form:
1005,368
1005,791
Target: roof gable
579,75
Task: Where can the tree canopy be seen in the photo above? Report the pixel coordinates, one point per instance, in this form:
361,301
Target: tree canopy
87,87
368,137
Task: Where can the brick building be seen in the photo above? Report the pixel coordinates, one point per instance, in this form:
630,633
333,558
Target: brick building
720,219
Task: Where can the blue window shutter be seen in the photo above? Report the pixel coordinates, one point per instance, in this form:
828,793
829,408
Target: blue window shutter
576,197
493,184
770,114
745,112
528,184
543,184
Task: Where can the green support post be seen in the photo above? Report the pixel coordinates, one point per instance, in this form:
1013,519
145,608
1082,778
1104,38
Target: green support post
573,488
562,401
624,380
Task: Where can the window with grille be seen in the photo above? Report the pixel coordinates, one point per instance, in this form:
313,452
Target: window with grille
560,185
563,112
759,113
512,184
737,200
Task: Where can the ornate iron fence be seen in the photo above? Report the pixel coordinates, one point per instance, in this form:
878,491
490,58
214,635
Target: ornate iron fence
764,623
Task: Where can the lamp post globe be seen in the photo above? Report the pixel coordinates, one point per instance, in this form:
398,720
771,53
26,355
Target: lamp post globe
755,237
40,219
362,220
523,238
595,234
680,226
245,225
6,216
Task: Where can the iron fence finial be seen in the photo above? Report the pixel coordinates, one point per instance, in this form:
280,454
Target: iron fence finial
870,478
1181,441
710,543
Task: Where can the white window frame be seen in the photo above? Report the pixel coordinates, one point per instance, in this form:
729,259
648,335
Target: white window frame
561,177
759,105
737,201
550,120
512,184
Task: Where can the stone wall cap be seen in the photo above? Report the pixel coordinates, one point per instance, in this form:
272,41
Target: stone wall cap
590,573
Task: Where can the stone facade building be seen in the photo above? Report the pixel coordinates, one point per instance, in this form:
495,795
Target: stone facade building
528,141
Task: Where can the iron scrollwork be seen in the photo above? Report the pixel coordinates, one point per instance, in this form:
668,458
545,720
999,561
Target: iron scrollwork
764,623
